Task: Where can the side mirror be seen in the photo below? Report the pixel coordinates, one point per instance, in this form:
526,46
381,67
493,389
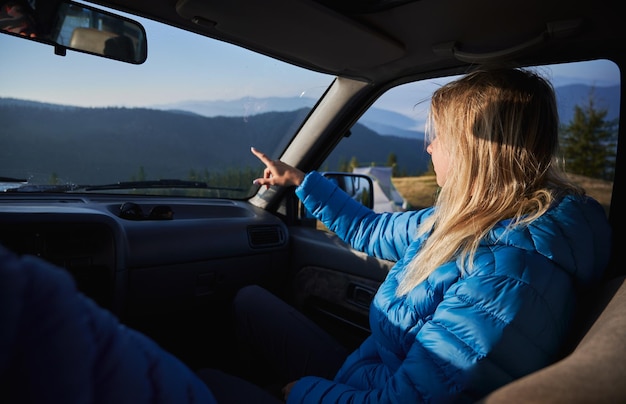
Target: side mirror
74,26
359,186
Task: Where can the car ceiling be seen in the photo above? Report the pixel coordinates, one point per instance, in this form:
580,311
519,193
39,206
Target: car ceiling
381,40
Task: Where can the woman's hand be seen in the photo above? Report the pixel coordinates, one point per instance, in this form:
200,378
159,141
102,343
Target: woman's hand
276,172
287,389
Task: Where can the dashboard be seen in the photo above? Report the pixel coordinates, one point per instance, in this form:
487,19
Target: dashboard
137,255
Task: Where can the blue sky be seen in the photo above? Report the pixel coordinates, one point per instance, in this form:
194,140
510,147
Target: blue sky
183,66
412,99
180,66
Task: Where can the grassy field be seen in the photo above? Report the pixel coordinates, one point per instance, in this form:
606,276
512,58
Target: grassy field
420,191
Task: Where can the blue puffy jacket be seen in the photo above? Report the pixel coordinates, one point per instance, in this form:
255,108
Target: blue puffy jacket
58,346
457,337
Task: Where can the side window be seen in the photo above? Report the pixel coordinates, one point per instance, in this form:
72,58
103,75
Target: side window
387,143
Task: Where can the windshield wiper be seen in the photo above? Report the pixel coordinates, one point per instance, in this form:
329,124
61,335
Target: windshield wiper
43,188
11,179
163,183
152,184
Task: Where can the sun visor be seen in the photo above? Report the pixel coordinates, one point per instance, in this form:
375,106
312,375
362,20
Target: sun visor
310,33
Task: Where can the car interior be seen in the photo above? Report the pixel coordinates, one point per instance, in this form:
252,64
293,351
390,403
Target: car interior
164,264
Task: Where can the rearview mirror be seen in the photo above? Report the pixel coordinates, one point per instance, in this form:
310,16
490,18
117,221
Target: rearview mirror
74,26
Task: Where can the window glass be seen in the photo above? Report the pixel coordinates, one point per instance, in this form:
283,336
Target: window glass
181,123
388,140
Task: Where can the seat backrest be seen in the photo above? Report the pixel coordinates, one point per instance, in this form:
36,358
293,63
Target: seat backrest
90,40
595,371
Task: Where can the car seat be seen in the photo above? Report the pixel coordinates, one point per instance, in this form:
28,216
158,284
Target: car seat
594,371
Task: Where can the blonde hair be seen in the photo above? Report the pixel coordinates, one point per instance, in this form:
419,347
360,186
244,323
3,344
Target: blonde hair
500,129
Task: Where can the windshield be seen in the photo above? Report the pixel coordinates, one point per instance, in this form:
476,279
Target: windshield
181,123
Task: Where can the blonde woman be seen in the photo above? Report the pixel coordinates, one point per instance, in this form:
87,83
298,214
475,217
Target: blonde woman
485,282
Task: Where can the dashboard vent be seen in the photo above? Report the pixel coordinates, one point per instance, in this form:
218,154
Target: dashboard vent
265,236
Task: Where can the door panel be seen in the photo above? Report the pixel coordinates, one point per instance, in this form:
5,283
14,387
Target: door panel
333,283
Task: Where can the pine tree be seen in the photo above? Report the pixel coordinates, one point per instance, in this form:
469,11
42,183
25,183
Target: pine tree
353,163
141,175
344,166
392,161
588,143
54,179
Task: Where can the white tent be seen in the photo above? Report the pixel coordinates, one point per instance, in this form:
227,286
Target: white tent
386,196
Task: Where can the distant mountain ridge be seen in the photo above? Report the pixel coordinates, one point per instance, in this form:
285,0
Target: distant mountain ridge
382,121
106,145
573,95
84,139
386,122
240,107
8,102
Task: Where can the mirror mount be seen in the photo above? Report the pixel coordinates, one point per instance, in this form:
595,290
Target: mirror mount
60,50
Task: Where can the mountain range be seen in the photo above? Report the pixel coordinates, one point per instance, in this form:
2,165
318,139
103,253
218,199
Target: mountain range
106,145
387,122
101,145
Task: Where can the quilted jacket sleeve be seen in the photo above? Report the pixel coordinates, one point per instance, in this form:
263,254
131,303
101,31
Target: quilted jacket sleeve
384,236
57,345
